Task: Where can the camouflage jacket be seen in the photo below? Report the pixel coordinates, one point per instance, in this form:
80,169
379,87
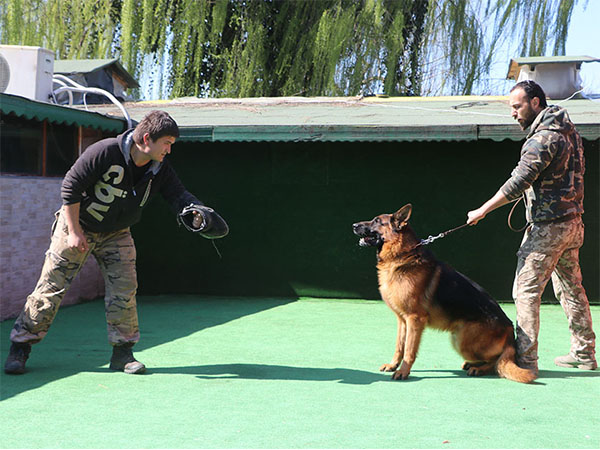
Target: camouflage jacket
550,171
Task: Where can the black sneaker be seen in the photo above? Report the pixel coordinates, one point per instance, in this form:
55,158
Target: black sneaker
123,360
17,356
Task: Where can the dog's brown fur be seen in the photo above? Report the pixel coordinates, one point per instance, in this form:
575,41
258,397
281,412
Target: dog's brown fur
423,292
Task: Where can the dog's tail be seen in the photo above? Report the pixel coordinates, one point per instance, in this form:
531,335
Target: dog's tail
507,367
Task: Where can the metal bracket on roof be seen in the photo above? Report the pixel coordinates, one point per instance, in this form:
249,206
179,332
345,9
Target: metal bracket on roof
469,104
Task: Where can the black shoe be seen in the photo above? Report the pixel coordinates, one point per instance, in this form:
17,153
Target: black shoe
123,360
17,356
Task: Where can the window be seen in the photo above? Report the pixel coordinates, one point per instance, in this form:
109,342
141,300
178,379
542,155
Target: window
61,151
21,143
30,147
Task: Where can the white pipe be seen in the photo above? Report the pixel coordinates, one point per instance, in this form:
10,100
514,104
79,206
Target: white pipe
67,80
93,90
62,83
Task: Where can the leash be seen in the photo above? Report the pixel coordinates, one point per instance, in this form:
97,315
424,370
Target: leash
215,246
510,217
430,239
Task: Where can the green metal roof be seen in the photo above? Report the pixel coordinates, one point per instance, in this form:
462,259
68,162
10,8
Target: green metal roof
71,66
31,109
515,63
467,118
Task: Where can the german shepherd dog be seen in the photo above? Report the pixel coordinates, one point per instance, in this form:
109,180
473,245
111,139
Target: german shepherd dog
424,292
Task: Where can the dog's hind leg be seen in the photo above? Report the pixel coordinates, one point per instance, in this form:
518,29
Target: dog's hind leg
399,352
480,345
483,369
455,338
415,324
468,364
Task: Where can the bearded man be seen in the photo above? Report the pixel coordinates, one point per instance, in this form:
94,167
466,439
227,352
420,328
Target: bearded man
549,176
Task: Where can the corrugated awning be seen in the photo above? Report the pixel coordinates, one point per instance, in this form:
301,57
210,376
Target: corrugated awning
373,119
357,133
352,119
34,110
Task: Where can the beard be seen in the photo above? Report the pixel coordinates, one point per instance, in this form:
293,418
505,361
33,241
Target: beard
527,118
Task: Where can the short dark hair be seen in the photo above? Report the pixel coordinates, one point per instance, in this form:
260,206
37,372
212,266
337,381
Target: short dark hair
157,124
532,90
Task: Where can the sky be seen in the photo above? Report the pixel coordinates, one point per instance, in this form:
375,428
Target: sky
583,39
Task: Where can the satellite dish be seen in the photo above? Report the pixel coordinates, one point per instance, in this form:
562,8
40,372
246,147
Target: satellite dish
4,74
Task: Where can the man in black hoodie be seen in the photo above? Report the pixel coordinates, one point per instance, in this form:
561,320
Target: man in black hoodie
549,176
103,195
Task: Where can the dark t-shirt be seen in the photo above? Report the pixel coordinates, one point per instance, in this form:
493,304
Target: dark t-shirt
137,172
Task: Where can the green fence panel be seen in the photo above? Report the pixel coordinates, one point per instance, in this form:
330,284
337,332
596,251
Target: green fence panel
291,206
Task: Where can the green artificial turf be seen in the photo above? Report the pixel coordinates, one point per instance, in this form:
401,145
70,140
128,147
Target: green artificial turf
271,373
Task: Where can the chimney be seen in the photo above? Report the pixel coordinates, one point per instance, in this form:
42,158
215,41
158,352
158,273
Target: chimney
557,75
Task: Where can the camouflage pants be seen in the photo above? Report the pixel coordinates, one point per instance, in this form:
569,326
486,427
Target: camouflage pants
551,251
115,253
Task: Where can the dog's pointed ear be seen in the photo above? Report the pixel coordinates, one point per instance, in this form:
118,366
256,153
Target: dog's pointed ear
400,217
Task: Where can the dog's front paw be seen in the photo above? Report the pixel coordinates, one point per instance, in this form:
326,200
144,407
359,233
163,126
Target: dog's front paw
403,372
400,375
388,367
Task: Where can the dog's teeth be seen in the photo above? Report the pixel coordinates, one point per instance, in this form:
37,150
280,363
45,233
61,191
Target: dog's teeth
362,242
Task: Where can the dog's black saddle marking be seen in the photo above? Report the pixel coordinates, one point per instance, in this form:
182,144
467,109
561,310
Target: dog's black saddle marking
464,299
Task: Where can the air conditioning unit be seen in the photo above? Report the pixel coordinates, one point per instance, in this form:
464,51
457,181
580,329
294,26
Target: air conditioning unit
26,71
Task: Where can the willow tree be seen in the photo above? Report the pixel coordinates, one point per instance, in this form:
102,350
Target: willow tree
461,38
235,48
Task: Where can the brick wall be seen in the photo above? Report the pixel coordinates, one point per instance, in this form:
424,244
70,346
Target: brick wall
27,206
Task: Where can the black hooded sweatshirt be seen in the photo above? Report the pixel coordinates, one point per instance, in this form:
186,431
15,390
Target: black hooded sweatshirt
102,180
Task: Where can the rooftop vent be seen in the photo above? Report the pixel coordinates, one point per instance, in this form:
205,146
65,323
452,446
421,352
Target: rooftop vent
557,75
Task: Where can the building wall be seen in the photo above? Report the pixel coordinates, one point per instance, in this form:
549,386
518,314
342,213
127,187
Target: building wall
27,207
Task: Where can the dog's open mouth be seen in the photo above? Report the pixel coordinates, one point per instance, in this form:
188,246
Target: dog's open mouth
369,241
368,237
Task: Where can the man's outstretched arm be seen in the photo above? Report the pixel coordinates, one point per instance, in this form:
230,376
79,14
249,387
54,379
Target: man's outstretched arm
498,200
